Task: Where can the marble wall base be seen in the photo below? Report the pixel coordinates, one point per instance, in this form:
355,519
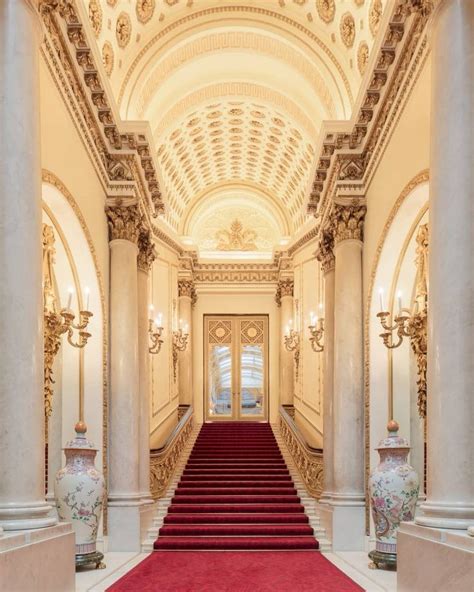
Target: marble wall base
128,525
147,513
434,559
345,526
41,559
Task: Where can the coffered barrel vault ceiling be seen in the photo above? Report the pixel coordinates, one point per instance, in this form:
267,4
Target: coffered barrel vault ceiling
235,94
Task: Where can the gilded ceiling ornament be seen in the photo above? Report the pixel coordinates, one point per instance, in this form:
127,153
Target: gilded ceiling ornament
348,222
326,10
236,239
171,2
108,57
95,16
123,29
347,29
375,14
359,2
112,3
146,250
300,2
362,56
145,9
124,222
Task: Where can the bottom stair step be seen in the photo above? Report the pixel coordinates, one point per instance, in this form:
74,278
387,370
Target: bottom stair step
233,543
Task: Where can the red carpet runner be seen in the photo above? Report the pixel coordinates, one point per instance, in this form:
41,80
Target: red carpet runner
236,493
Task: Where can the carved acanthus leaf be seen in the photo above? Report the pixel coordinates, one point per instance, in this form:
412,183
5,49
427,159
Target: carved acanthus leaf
187,289
325,251
348,222
285,288
124,222
146,250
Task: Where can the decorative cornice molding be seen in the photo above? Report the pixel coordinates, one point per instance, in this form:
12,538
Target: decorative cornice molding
146,250
124,222
235,273
348,222
306,238
285,288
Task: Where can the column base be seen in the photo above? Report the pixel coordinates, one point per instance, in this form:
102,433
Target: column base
434,559
345,525
128,524
439,515
40,559
146,498
27,516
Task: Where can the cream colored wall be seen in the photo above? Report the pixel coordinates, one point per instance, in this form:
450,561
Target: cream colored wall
308,296
236,300
164,398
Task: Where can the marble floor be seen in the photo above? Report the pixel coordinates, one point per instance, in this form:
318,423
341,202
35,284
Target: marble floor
354,564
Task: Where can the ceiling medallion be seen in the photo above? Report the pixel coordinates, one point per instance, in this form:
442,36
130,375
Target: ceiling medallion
326,10
144,10
362,57
347,28
375,14
95,16
123,29
236,239
108,57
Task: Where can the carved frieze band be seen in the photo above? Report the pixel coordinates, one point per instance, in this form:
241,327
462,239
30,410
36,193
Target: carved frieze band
124,223
285,288
187,289
146,250
348,222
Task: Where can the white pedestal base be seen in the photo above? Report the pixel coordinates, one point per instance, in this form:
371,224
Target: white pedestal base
40,559
345,526
128,526
434,559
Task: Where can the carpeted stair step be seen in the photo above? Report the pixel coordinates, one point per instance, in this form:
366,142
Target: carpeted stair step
236,518
233,491
221,484
236,543
235,499
236,530
237,472
238,508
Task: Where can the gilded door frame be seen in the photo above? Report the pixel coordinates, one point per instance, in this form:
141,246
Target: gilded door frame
236,342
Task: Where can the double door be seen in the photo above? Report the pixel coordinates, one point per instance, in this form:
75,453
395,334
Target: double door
236,368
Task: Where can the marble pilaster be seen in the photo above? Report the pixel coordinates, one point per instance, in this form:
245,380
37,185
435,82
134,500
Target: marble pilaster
187,295
284,299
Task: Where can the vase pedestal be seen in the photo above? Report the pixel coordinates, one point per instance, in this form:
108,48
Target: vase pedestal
383,560
88,559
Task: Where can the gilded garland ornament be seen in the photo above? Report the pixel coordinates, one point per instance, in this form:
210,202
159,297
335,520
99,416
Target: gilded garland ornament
144,10
375,14
108,57
326,10
123,29
347,29
95,16
362,57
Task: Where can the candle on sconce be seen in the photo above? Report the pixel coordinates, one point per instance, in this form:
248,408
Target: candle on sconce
399,298
69,300
186,327
381,299
151,308
159,320
287,330
87,293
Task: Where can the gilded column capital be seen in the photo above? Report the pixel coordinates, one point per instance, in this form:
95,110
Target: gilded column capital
146,250
348,222
285,287
124,223
325,252
186,289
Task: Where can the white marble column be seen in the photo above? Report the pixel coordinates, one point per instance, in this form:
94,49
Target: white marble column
287,372
450,420
186,294
146,256
22,495
348,497
325,255
124,428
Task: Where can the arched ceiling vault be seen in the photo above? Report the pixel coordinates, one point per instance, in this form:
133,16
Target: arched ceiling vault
235,94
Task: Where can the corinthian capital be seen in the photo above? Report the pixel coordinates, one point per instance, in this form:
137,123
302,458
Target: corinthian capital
124,222
325,251
146,250
186,289
348,222
285,288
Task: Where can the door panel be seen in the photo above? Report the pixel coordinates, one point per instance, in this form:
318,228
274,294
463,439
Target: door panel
236,359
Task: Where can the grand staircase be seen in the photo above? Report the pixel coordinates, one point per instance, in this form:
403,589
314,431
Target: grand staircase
235,493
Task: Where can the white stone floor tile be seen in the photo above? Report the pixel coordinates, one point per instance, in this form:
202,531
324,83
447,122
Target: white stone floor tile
98,580
355,564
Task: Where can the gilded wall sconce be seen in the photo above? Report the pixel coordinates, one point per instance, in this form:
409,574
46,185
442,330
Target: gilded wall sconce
292,344
180,343
316,330
155,331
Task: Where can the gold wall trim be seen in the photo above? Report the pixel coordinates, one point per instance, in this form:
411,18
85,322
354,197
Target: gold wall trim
50,178
419,179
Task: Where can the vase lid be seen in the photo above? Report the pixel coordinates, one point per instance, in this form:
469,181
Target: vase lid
393,440
80,441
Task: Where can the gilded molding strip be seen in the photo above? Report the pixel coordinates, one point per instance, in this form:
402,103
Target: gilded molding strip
163,462
308,462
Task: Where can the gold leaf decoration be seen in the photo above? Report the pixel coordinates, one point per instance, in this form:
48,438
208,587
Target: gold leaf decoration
108,57
95,16
347,28
236,239
362,56
144,10
123,29
326,10
375,14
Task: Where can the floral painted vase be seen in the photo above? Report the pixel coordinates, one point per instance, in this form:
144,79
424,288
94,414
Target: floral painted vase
393,489
79,490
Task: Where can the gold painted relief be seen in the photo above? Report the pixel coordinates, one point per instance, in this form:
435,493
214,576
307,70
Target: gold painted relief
95,16
236,239
108,57
326,10
347,29
123,30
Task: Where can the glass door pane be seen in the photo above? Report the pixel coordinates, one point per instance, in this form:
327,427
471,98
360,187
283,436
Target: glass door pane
252,380
220,381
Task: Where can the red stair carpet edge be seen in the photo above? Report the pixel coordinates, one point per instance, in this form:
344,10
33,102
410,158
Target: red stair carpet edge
235,571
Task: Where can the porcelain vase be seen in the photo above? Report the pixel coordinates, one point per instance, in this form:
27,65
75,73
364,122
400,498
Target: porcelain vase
393,490
79,491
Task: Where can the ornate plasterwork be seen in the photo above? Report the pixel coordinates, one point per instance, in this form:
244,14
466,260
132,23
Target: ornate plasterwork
236,238
347,29
123,29
124,222
325,252
108,57
359,2
348,222
144,10
187,289
235,273
146,250
326,10
95,16
285,287
112,3
362,57
375,14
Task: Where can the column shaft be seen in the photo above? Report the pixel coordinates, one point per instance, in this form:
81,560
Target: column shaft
186,356
22,492
287,374
450,420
